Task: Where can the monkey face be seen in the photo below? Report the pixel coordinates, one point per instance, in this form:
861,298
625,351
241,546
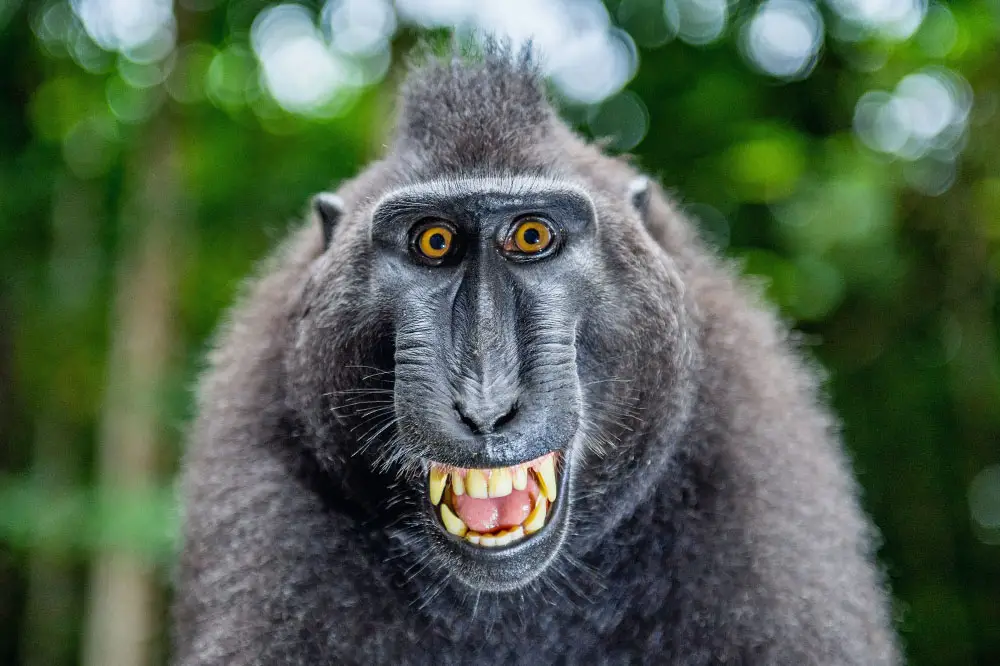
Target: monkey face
509,331
485,283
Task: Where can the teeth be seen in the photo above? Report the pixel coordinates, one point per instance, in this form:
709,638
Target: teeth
510,536
437,483
492,483
501,538
520,478
475,484
500,483
535,519
452,523
546,471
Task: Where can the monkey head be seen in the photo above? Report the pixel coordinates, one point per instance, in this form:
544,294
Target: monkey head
489,324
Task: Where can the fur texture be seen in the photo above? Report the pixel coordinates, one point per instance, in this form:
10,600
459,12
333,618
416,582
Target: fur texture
715,517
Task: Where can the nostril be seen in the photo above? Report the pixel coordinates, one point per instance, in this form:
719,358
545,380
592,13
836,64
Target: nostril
506,418
469,423
484,422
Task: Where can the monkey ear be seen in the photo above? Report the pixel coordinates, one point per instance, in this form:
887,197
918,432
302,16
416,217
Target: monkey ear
638,195
329,207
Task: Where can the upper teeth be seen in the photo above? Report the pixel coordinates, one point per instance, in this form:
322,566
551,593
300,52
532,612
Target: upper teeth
476,484
520,477
547,478
436,484
499,482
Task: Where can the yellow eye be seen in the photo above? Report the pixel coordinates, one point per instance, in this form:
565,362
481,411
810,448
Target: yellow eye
435,241
531,236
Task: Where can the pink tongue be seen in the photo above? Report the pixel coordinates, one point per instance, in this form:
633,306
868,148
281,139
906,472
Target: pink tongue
486,515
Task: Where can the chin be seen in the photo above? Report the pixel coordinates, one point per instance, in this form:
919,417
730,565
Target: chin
498,529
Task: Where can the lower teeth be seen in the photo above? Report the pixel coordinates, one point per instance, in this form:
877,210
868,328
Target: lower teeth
536,519
501,538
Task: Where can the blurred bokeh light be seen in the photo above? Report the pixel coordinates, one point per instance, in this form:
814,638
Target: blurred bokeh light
299,68
784,38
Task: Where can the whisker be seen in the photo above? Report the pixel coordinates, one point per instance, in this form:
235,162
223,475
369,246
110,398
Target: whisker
363,389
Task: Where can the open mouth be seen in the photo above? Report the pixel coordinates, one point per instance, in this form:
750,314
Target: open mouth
492,508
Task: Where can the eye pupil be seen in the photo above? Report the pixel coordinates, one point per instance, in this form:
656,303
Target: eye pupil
532,237
438,241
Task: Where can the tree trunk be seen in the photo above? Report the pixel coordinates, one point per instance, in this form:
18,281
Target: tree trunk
122,614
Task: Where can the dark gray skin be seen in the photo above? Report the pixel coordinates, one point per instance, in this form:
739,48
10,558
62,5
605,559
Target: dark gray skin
706,513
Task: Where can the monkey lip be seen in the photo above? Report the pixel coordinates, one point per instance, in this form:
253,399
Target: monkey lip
494,508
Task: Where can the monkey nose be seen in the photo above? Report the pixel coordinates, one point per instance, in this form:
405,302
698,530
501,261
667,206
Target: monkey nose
482,419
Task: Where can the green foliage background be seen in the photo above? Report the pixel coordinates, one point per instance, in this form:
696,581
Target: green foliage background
103,183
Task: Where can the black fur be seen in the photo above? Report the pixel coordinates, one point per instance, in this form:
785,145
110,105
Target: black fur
714,519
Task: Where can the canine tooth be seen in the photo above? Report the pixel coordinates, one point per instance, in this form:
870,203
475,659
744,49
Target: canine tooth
457,483
546,471
473,537
437,483
488,540
520,477
535,519
475,484
452,523
500,483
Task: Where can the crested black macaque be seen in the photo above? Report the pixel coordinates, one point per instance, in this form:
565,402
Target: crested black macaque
497,403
